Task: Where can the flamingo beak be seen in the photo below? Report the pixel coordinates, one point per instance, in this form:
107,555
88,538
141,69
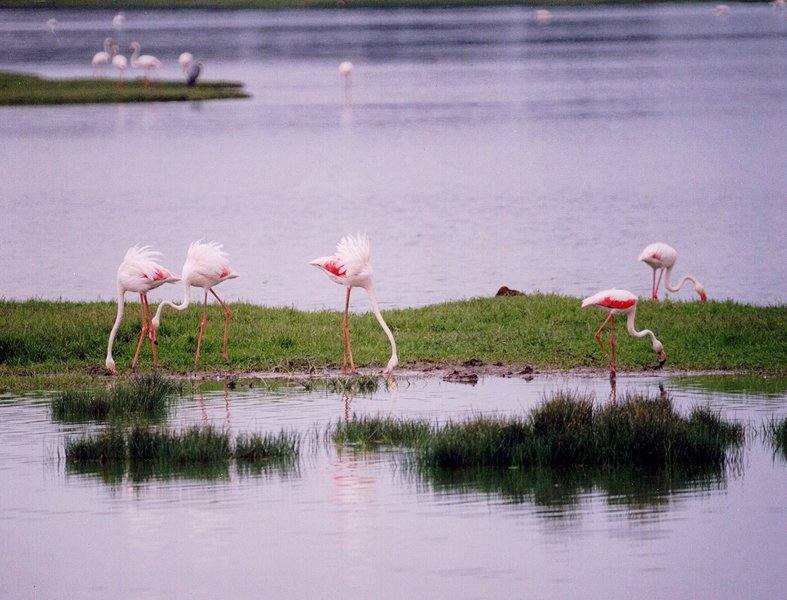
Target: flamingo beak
662,358
703,296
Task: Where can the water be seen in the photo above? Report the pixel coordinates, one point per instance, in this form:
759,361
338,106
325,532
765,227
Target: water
360,524
481,149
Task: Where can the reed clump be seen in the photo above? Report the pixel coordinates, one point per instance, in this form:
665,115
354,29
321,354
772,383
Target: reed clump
368,431
777,431
146,396
103,448
255,447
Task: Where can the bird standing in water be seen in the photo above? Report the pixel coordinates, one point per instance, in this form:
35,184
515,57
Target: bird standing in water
620,302
139,272
206,266
661,257
351,267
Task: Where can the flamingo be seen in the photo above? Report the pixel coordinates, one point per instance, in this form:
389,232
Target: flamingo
543,16
146,61
119,20
722,10
184,60
618,302
52,24
120,62
206,266
140,273
346,71
105,56
663,256
350,267
193,72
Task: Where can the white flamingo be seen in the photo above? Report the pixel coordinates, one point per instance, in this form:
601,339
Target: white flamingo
206,266
105,56
346,71
120,62
543,16
184,60
146,62
140,273
52,24
616,302
119,20
661,257
351,267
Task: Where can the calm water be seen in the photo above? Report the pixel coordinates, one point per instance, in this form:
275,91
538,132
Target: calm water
481,149
361,524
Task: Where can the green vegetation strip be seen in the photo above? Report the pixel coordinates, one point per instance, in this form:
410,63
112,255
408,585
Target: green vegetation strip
280,4
568,430
144,396
20,89
545,331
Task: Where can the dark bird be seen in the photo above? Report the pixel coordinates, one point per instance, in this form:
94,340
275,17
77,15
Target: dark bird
193,70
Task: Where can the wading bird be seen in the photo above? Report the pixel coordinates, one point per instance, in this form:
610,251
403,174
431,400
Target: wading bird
146,62
543,16
105,56
193,72
346,71
661,257
619,302
351,267
139,273
52,24
206,266
119,20
184,59
120,62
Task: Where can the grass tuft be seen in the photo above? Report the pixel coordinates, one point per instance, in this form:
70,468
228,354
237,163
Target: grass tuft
104,448
140,396
254,447
369,431
777,431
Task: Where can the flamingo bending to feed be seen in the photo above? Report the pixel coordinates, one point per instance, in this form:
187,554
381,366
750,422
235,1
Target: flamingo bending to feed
351,267
184,60
139,272
661,256
120,62
105,56
145,62
206,266
618,302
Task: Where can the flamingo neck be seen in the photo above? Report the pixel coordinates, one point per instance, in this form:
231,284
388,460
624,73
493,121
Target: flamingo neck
121,300
394,360
677,287
633,330
182,306
135,55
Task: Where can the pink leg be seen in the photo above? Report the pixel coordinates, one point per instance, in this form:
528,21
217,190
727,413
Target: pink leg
153,341
202,324
142,332
653,287
597,335
227,316
347,358
613,362
658,283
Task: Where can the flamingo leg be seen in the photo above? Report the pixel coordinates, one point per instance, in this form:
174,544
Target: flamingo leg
347,359
142,331
201,334
613,362
152,328
658,283
227,316
597,336
653,287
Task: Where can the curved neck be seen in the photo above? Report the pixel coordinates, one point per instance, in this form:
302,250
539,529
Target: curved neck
182,306
108,46
633,330
381,321
135,54
116,325
675,288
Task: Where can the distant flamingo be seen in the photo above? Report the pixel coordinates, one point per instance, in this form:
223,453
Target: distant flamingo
206,266
52,24
722,10
119,20
103,57
120,62
351,267
346,71
543,16
661,256
618,302
145,62
139,273
184,60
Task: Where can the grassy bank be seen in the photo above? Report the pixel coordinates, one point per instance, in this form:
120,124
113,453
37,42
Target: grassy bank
21,89
544,331
568,430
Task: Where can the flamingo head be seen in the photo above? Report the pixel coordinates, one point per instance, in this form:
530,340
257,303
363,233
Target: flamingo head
156,321
658,348
701,291
110,365
392,364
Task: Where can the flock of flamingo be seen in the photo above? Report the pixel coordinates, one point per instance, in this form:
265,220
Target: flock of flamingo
207,265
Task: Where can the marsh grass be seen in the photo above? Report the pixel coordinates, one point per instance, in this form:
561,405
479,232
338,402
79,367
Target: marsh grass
776,431
369,432
143,396
23,89
103,448
256,447
544,331
194,445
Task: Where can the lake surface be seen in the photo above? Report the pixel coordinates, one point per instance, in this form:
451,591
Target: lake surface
481,149
360,524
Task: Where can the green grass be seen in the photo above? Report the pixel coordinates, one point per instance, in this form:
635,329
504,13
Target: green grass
545,331
103,448
777,432
254,447
145,396
369,432
21,89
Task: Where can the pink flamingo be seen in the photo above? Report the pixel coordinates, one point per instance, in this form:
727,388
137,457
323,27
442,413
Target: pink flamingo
351,267
206,266
618,302
139,273
145,62
661,256
105,56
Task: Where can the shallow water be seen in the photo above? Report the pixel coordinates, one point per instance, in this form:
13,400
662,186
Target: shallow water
481,149
342,522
